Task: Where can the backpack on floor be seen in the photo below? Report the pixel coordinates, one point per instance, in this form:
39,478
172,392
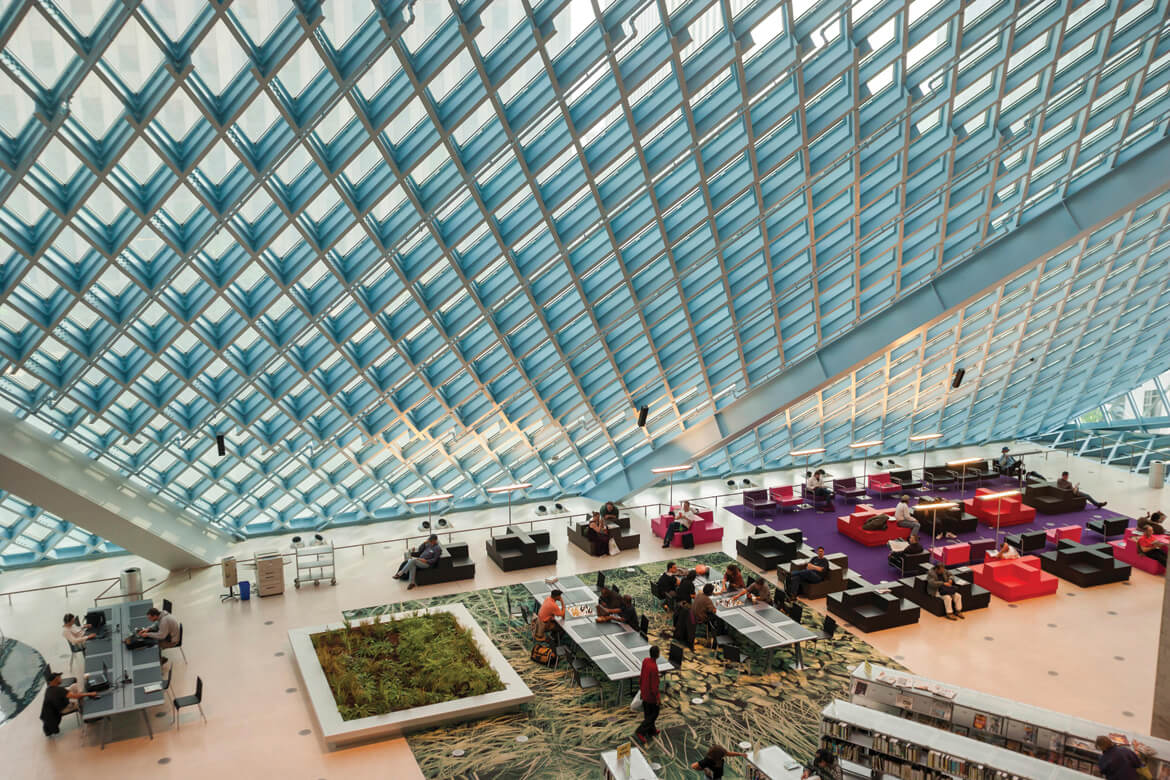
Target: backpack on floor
688,541
544,655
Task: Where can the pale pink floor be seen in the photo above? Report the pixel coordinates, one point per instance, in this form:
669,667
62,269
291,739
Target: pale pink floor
1103,663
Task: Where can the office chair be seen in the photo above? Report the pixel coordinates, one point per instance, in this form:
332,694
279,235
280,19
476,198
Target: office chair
188,701
168,606
73,651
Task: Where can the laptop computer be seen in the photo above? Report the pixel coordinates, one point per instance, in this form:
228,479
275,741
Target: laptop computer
98,681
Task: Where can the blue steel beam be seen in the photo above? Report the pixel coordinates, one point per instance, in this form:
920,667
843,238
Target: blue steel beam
1126,187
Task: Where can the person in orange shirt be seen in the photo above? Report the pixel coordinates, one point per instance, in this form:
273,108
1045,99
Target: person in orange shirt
1151,546
551,608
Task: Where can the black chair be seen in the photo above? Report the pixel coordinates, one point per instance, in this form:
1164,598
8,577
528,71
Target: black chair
189,701
675,654
600,580
167,605
73,651
731,656
179,646
794,610
828,628
643,626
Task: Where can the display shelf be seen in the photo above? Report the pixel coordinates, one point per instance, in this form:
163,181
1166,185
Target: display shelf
908,750
1012,725
315,564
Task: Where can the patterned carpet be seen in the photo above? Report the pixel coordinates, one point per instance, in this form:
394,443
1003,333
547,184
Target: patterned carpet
21,677
567,729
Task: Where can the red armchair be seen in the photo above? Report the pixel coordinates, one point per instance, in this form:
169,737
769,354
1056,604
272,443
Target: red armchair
1126,551
999,512
786,498
882,485
1016,579
851,526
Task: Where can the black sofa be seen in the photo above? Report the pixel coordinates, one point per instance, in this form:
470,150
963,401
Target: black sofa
870,609
1084,565
518,549
768,548
1108,526
937,476
619,530
836,580
1048,499
454,564
1029,541
905,479
913,588
954,520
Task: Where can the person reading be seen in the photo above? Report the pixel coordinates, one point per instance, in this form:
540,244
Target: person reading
939,582
426,556
1065,484
814,483
1152,546
899,550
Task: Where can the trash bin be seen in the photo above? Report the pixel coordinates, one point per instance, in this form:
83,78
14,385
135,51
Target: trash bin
131,584
1157,473
245,590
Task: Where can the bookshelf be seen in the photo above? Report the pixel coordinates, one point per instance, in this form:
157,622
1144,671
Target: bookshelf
1012,725
872,744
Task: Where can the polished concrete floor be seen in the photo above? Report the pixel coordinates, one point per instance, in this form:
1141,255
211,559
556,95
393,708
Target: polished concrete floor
1086,652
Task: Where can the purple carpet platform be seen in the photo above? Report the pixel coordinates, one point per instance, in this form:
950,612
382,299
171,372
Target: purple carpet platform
820,528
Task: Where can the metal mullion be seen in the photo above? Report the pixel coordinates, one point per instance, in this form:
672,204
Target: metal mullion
594,192
1140,81
1015,347
689,116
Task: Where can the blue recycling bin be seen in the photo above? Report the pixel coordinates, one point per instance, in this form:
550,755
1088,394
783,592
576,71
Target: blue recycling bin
245,590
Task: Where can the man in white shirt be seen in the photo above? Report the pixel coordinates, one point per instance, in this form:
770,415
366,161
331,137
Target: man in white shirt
815,484
76,634
904,515
683,519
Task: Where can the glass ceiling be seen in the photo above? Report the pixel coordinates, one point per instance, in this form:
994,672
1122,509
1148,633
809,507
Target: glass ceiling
396,248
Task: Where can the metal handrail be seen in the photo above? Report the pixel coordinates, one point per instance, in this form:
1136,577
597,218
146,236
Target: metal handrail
66,586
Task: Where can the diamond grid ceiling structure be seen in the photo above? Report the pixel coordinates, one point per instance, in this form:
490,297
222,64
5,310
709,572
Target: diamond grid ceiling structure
397,248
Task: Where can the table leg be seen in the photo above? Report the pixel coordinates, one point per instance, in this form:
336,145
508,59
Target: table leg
146,718
105,725
799,657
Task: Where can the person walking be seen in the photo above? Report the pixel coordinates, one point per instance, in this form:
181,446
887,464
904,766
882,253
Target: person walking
648,689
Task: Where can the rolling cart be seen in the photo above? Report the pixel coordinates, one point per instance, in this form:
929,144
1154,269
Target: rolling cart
315,564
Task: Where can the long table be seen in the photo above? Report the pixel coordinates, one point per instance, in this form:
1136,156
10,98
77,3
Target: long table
614,647
129,671
764,626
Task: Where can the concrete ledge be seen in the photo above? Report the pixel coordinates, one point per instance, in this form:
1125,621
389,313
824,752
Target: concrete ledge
339,732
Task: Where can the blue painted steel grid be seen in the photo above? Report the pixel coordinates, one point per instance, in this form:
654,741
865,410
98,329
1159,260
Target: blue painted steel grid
396,248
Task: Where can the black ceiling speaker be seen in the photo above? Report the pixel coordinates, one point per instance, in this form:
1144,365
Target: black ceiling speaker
642,416
958,380
220,446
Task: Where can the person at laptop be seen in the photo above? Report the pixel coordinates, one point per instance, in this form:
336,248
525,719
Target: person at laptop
75,633
59,701
164,628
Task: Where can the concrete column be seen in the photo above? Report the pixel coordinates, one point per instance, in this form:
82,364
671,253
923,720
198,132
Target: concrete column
1160,726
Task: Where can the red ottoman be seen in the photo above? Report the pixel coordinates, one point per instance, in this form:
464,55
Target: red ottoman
951,554
999,512
1015,580
1064,532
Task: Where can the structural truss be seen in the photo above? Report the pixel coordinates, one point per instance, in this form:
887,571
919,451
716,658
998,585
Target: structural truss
396,248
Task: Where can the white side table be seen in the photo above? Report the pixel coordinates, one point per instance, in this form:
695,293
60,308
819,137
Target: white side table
772,763
637,768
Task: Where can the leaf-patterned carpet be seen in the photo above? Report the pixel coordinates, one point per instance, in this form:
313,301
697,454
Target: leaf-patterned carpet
567,729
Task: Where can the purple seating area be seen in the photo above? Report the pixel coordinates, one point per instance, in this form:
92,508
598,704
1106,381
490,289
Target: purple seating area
847,488
758,501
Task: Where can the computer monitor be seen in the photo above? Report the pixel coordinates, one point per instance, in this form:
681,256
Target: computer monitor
96,618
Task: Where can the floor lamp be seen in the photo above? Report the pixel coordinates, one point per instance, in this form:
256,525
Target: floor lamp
670,471
962,464
864,447
999,509
805,454
934,515
428,500
924,438
508,489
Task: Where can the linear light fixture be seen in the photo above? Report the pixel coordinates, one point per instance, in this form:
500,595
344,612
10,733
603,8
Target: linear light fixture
1003,494
804,453
963,462
670,469
427,499
510,488
942,505
860,445
925,436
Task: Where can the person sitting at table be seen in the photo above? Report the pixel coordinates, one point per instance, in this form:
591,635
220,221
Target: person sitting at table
426,556
732,579
1064,483
684,518
59,701
165,628
609,604
598,534
1151,546
1011,466
704,607
815,483
759,590
668,584
684,624
899,550
609,512
686,588
551,608
1155,521
76,634
814,572
712,764
904,515
939,582
626,613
